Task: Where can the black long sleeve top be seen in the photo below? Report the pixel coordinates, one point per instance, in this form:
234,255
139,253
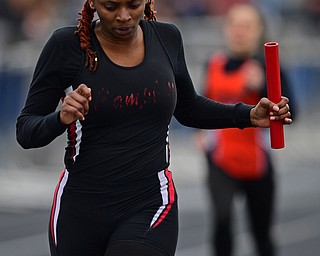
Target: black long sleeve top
125,134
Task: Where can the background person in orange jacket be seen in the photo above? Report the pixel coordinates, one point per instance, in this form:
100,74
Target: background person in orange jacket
238,160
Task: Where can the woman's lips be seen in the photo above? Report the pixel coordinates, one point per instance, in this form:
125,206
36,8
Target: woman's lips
124,31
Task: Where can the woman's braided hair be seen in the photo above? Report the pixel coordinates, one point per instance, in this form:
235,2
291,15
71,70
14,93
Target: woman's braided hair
149,12
84,27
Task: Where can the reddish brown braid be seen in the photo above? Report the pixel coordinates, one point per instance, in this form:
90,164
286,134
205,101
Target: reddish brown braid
84,27
83,31
149,12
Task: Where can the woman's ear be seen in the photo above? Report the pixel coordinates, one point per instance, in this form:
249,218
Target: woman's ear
91,3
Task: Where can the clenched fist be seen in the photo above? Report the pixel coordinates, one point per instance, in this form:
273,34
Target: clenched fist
75,105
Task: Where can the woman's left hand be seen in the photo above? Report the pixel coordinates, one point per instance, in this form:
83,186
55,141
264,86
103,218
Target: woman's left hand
266,110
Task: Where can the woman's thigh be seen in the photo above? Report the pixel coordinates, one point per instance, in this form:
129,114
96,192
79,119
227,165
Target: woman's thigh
85,224
81,228
151,230
135,249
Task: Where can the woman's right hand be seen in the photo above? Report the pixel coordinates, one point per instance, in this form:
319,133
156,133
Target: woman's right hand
266,110
75,105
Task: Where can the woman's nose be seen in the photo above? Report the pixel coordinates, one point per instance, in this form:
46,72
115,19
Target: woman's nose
123,14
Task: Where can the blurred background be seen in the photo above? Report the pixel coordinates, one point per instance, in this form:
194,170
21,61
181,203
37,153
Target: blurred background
28,178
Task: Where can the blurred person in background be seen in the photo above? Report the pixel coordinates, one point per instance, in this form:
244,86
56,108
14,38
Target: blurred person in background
22,18
121,79
238,161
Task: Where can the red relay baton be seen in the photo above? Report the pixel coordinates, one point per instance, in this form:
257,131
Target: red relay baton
274,90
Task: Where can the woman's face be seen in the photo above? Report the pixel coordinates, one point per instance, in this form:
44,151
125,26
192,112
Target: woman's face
243,30
119,19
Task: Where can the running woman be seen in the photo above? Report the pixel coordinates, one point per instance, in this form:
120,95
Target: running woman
121,79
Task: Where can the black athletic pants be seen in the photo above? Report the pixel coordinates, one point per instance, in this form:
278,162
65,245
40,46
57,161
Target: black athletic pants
131,220
259,195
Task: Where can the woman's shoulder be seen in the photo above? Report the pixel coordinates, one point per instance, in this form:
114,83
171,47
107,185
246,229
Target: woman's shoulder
65,41
166,29
66,33
165,25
